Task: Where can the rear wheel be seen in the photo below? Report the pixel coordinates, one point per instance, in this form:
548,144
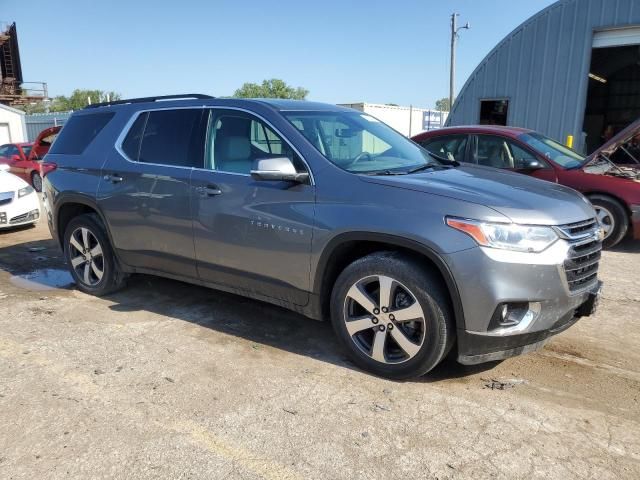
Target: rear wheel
36,181
612,218
392,316
90,256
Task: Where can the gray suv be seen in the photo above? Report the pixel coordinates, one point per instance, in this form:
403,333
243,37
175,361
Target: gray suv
329,212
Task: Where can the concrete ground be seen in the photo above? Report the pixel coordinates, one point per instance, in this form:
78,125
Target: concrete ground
168,380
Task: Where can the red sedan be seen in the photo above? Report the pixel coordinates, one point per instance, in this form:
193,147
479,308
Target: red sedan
614,190
25,159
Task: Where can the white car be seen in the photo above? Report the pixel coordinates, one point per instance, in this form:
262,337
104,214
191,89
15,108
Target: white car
19,203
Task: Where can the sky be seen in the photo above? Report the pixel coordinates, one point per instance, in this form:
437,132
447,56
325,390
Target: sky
392,51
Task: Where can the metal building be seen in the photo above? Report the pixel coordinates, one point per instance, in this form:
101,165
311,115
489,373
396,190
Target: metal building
573,69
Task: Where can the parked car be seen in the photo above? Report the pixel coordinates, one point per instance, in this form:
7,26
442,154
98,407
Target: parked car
26,159
614,190
326,211
19,204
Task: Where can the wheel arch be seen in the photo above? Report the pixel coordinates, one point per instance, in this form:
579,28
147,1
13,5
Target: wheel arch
611,196
345,248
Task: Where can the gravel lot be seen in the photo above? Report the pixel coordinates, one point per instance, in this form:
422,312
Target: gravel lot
169,380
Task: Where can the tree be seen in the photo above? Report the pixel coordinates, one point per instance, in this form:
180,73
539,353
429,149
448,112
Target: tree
76,101
274,88
443,104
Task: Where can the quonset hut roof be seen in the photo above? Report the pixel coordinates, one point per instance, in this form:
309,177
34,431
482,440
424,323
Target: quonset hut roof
542,67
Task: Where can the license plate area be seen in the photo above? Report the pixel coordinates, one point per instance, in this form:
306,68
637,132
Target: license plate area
3,218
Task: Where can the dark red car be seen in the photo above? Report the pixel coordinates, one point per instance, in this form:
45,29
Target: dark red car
613,189
25,159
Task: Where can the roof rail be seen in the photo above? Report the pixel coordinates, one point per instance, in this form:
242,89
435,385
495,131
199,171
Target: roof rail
197,96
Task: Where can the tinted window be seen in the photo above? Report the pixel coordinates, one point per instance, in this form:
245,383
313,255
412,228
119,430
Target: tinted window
236,140
451,147
131,144
173,137
79,131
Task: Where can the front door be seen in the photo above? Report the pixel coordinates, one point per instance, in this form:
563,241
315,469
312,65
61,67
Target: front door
501,152
146,194
252,236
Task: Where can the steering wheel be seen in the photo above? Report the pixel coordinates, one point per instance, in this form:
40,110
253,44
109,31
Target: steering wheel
361,156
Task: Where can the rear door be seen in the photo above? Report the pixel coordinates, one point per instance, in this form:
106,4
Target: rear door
145,192
253,236
450,147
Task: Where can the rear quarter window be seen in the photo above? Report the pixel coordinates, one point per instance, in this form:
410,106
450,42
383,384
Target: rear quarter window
79,132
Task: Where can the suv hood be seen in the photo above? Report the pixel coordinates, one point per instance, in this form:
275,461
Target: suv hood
521,198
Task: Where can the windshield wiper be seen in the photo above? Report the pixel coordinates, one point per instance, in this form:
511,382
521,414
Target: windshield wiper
383,173
428,166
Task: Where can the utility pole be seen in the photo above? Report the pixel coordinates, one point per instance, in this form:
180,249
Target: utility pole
454,38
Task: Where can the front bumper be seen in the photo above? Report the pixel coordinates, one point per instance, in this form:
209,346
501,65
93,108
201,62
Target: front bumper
474,348
487,279
22,211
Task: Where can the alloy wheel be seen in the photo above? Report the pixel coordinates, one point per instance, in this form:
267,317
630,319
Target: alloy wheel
384,319
605,219
87,258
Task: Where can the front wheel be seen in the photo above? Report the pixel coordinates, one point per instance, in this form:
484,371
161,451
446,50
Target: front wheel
392,315
612,217
90,257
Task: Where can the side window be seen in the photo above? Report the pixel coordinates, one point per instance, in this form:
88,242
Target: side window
12,150
236,140
172,137
131,144
492,151
3,150
79,131
522,158
450,147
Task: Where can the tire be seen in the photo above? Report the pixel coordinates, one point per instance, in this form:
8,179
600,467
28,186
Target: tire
416,293
613,217
36,181
90,256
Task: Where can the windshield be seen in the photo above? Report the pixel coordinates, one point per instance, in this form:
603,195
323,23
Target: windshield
563,156
359,143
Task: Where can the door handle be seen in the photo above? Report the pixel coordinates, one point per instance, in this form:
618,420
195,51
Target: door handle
209,191
113,178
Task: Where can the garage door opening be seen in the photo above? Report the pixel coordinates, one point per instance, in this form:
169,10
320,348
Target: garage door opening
613,98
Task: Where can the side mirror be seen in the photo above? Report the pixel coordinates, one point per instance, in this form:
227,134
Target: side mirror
531,164
15,158
277,169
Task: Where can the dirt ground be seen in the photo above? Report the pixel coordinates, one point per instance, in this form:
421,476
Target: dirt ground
168,380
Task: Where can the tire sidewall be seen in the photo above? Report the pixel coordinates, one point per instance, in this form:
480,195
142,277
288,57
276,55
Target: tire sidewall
35,175
619,217
427,292
108,278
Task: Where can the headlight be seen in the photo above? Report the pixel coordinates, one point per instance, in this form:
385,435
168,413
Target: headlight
25,191
507,236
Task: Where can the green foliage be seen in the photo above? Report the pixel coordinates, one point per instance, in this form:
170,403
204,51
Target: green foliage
274,88
76,101
443,104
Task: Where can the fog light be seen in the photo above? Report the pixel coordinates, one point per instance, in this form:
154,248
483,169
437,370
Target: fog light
514,317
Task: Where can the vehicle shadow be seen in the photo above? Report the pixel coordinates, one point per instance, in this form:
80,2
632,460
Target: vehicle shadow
260,323
628,245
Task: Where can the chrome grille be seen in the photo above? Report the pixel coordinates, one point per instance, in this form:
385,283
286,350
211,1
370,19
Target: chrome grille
583,259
